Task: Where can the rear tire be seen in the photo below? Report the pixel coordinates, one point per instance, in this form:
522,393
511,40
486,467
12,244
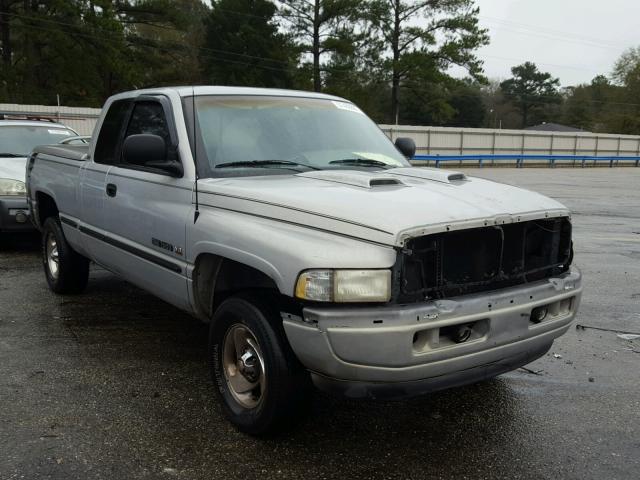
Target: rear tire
66,271
260,383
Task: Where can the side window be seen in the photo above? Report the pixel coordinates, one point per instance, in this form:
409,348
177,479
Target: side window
107,145
148,117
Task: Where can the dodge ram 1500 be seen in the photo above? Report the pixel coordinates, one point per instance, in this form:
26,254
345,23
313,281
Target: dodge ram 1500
302,234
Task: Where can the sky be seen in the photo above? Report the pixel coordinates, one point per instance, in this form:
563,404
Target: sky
574,40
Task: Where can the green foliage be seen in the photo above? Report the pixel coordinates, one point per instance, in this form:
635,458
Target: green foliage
167,37
322,28
447,34
626,70
578,109
603,106
530,90
626,74
391,57
357,71
243,46
470,110
87,50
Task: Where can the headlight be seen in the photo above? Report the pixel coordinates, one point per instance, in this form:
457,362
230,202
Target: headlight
344,285
12,187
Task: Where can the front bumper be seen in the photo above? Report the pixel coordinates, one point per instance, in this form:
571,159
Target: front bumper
404,350
14,214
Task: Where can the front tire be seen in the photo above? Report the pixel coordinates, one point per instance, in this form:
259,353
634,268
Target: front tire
66,271
260,383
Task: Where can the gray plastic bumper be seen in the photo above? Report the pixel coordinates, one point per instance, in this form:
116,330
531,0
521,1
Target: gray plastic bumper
14,214
361,350
397,390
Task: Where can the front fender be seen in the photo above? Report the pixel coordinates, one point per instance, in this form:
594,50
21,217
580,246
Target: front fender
278,249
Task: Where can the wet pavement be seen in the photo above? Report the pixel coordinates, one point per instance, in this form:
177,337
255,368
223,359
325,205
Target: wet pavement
113,384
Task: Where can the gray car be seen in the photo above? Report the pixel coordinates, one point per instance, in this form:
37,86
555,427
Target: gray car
318,255
17,139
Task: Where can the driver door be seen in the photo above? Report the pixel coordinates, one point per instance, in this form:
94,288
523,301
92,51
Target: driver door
146,210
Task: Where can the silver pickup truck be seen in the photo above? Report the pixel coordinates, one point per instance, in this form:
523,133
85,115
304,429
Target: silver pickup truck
294,226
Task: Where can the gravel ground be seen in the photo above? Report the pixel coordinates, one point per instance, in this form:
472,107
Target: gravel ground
113,384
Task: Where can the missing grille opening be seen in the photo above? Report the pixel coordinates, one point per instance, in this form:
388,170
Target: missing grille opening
482,259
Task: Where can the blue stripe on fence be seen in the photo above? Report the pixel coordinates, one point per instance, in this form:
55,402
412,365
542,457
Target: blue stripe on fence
520,159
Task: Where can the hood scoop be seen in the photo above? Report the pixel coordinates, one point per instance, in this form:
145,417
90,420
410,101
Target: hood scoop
355,178
426,173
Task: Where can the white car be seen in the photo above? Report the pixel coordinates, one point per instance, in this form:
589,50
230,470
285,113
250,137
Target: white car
17,139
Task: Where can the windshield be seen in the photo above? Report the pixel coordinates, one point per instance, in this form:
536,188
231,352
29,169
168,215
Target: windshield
262,135
19,140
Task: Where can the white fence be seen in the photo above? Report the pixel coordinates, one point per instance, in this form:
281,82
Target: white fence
82,120
430,141
448,141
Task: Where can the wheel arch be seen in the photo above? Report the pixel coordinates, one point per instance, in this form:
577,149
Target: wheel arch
216,277
46,207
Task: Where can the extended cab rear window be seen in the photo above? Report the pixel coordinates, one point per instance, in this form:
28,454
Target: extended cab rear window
108,143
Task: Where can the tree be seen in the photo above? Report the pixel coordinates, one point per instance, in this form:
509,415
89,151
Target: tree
500,112
578,107
354,71
243,46
530,90
88,50
447,34
322,27
627,66
469,109
353,77
626,75
6,11
168,38
69,42
443,100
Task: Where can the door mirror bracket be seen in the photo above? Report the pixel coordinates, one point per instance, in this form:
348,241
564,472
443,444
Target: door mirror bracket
172,167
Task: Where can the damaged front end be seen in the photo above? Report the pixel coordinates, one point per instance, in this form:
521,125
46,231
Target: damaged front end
467,304
461,262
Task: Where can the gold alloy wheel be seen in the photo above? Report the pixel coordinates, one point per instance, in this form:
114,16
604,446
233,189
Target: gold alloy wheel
243,366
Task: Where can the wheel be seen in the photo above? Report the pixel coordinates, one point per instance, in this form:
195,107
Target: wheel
260,383
66,270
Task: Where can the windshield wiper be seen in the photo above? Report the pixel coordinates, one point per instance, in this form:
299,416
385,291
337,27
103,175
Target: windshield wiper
264,163
12,155
361,162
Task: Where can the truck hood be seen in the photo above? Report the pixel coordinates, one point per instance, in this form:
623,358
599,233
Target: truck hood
386,207
13,168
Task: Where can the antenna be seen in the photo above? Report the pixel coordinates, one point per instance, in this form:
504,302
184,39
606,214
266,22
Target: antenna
196,214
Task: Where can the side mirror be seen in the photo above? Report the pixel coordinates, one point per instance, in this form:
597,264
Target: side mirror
406,146
147,150
143,148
